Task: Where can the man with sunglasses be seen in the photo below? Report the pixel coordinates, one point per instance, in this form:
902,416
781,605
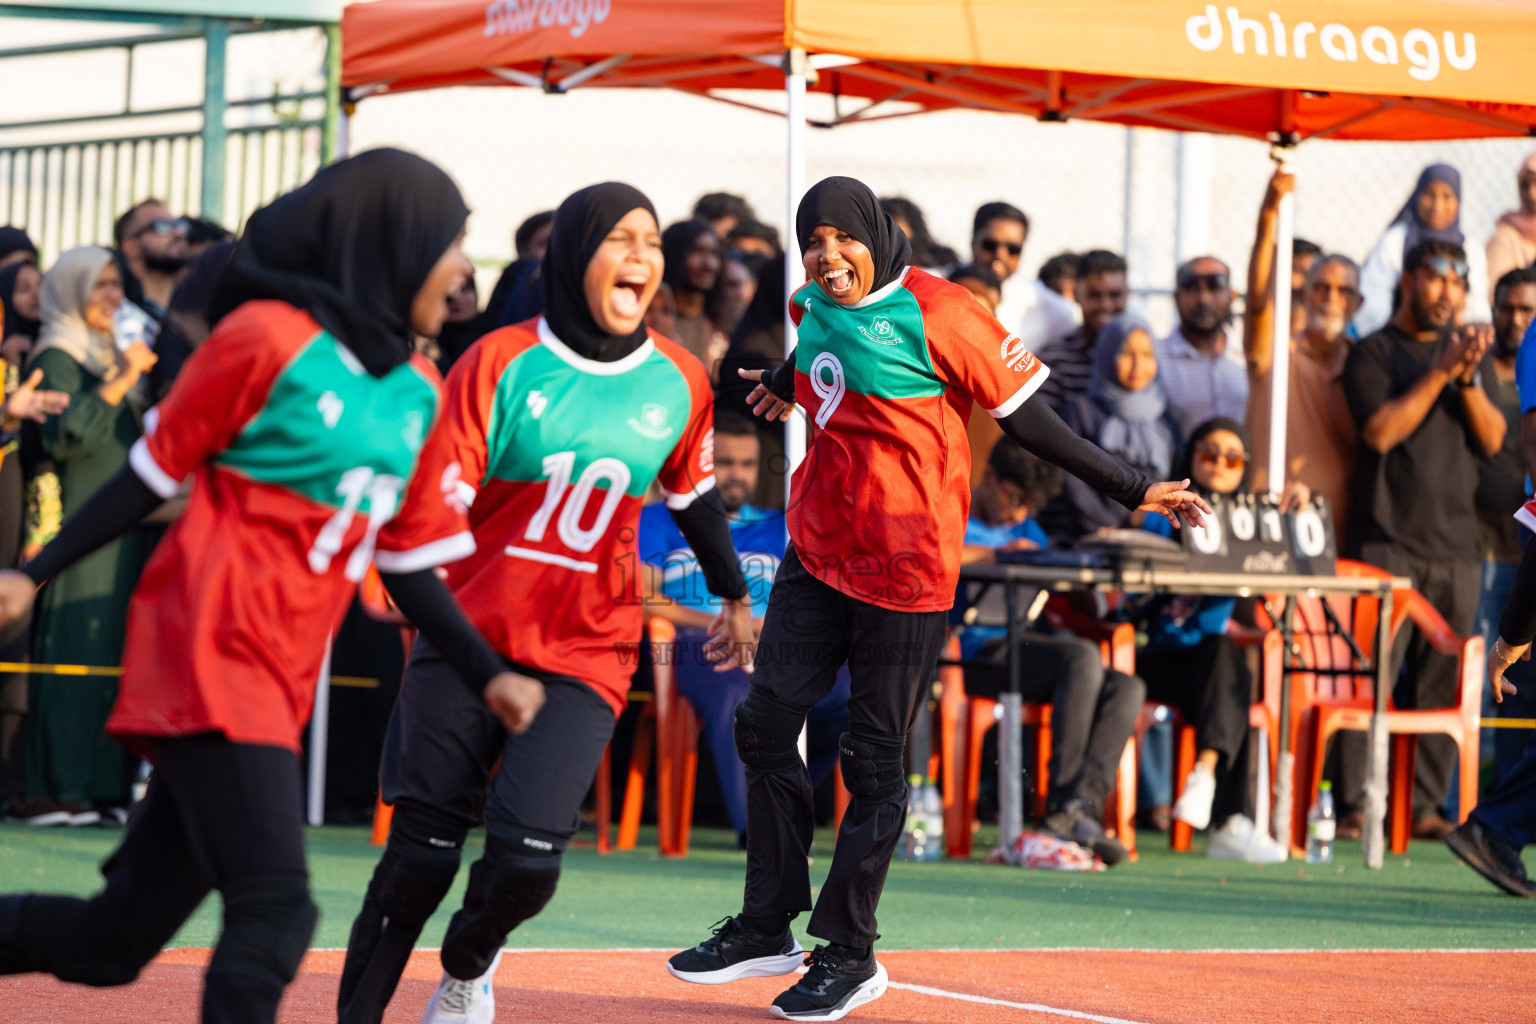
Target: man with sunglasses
1028,308
1416,390
153,255
1202,374
1319,431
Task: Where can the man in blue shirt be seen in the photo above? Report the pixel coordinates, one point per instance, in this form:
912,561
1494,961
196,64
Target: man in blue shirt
676,592
1093,709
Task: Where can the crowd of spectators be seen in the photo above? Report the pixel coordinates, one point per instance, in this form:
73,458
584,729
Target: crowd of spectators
1406,402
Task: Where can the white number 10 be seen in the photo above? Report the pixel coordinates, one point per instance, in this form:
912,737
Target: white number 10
557,470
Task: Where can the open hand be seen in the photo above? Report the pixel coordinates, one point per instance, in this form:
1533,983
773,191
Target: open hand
732,637
1173,500
515,699
1500,658
765,403
28,403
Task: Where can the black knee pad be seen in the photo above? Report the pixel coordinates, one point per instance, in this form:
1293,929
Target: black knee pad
268,923
872,764
517,876
418,866
768,733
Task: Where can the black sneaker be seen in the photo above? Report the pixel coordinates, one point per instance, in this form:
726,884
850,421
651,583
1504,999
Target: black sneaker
1076,823
1490,856
835,984
733,952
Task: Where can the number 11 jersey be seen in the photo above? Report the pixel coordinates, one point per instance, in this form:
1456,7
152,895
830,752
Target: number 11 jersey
557,452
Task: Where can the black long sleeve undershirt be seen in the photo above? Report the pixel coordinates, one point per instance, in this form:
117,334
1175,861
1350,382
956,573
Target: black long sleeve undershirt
705,525
1036,427
123,502
1518,625
426,600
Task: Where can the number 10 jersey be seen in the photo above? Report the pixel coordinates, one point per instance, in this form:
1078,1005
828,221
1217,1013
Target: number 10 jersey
557,452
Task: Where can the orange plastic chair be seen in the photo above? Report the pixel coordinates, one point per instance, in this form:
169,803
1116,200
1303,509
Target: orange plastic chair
1263,714
669,724
964,722
1461,722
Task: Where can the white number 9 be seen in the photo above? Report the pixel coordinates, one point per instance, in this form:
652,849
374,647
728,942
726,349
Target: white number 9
830,392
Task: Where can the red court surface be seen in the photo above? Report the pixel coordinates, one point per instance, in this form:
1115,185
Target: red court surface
1018,987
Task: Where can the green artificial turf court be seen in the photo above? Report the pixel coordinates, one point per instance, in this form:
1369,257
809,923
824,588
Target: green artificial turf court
1164,901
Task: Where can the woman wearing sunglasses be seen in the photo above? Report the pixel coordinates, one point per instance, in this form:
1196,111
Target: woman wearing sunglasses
1191,663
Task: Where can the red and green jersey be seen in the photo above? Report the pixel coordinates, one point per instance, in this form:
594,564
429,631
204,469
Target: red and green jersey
878,506
558,452
306,469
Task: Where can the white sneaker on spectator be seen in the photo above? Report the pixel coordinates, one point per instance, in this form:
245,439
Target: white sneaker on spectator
1194,804
1239,839
464,1002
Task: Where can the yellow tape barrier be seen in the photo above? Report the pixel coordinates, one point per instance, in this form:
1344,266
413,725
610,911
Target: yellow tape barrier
356,682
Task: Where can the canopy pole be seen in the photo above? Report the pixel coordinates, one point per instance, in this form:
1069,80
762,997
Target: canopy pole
216,37
796,70
1280,361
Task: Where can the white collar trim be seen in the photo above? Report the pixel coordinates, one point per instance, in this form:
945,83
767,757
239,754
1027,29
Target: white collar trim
881,294
580,362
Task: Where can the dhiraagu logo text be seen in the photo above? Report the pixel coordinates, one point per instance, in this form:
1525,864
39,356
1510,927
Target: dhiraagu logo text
881,331
652,422
1419,48
509,17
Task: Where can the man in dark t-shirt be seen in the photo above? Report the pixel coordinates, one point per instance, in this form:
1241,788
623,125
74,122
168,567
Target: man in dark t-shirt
1416,392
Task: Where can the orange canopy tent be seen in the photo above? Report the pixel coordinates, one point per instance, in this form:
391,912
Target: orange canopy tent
1284,71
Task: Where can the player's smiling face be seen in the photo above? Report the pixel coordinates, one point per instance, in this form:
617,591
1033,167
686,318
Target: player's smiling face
839,264
624,273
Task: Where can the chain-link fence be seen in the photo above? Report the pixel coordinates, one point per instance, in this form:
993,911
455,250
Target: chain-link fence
516,151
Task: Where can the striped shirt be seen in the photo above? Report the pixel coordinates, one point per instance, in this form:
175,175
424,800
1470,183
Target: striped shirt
1200,387
1071,363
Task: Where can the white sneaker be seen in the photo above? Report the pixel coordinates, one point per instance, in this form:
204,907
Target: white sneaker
464,1002
1239,839
1194,805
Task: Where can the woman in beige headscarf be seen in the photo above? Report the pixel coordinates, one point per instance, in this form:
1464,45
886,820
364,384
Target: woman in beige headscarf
1513,244
74,772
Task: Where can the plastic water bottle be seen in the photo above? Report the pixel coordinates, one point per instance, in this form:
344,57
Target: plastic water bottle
933,807
922,838
1320,826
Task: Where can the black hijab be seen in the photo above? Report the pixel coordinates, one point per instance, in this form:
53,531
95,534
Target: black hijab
1186,466
581,224
15,323
14,240
352,247
848,205
676,242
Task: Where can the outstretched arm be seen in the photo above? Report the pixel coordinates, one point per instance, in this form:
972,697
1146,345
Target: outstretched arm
774,396
426,600
1036,427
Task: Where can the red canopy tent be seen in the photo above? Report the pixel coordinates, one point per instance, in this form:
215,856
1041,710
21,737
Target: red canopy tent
1286,72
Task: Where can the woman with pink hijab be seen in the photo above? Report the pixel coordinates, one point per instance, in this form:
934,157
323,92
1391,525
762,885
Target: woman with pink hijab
1514,237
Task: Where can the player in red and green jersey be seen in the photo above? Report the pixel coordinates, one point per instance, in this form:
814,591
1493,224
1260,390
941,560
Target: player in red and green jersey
559,426
889,363
314,439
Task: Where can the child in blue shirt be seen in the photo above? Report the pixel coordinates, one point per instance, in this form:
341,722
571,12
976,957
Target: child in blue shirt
1093,709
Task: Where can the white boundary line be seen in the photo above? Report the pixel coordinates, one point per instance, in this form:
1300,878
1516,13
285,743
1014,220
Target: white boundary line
941,993
1030,949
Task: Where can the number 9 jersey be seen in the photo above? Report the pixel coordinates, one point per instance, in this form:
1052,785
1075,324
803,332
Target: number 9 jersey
557,452
307,468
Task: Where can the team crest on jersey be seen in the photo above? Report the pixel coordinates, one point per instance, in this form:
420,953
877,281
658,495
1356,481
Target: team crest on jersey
881,331
1015,356
652,422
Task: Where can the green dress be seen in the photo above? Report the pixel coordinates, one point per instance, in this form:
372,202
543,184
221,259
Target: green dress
81,613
